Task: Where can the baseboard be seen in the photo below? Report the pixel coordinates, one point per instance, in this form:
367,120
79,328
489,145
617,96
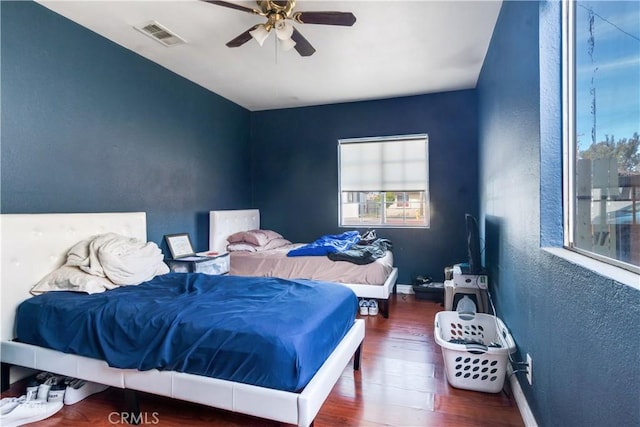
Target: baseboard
523,406
404,289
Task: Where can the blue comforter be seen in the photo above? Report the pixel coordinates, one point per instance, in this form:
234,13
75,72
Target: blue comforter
268,332
327,244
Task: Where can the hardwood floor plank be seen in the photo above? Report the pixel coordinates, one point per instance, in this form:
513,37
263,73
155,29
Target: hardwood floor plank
401,382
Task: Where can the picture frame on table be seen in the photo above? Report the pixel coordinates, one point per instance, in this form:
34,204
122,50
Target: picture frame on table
179,245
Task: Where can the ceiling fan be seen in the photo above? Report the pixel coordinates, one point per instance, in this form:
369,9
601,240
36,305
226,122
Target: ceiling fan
278,14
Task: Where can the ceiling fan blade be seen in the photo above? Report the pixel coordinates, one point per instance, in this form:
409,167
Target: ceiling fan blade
242,38
233,6
346,19
303,47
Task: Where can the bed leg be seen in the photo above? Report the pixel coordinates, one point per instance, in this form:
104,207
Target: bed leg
385,308
133,406
356,358
5,371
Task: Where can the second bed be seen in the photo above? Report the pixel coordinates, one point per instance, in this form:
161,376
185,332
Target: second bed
375,280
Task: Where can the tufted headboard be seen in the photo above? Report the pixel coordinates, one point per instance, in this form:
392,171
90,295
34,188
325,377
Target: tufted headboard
223,224
35,244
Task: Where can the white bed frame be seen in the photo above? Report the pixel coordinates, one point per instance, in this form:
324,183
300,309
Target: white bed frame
224,223
35,244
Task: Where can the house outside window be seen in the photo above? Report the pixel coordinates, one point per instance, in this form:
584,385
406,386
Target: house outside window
384,181
602,123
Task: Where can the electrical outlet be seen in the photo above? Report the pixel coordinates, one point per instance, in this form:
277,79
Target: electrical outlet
529,369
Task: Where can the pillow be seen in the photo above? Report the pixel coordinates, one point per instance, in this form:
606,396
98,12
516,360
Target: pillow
276,243
255,237
241,247
70,278
250,247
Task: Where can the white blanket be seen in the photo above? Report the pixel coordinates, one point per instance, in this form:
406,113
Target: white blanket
123,260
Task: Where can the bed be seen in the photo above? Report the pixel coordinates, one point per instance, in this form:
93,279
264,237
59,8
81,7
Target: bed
35,244
372,281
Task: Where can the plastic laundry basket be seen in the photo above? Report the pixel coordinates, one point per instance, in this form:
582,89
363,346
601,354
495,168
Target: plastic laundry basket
475,351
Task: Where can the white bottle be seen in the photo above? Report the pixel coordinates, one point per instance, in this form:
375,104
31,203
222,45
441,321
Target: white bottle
466,308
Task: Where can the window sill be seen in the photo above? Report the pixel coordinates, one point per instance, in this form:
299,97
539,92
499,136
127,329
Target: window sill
612,272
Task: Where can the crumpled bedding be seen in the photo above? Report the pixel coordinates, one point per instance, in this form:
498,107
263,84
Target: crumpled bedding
362,254
123,260
327,244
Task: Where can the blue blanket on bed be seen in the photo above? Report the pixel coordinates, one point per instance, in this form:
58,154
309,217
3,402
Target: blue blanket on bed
268,332
327,244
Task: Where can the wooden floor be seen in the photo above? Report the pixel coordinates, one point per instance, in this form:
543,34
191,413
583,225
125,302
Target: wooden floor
401,382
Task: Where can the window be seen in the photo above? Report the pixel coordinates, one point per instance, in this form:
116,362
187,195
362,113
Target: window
384,181
602,121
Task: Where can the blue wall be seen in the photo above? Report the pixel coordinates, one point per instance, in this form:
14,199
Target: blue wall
580,328
295,159
88,126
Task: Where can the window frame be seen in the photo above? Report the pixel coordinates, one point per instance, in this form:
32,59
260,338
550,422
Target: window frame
427,219
569,145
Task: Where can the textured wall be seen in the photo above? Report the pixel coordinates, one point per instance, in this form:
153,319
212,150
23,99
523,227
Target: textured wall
295,181
580,328
89,126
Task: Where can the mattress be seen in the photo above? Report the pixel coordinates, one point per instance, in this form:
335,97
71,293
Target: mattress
276,263
268,332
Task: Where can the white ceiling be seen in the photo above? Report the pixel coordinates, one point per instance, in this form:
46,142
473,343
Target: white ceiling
396,47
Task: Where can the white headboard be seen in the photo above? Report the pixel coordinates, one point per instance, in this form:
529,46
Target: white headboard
35,244
223,224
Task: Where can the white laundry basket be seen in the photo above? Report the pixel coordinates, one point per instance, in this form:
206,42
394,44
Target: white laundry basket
478,357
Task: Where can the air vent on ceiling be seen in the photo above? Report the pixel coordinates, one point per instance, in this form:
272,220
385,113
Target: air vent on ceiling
160,33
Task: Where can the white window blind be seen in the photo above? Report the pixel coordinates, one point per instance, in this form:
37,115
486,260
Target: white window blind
384,164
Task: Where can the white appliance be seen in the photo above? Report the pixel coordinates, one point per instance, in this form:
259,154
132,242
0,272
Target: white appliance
463,280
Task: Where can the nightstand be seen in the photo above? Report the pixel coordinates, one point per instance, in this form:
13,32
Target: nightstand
215,265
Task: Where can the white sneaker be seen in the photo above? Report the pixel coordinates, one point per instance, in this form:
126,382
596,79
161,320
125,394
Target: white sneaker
8,404
364,307
373,307
30,412
78,390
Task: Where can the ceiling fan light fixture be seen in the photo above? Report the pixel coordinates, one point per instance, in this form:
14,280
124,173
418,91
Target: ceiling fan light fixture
284,30
278,13
286,44
260,34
